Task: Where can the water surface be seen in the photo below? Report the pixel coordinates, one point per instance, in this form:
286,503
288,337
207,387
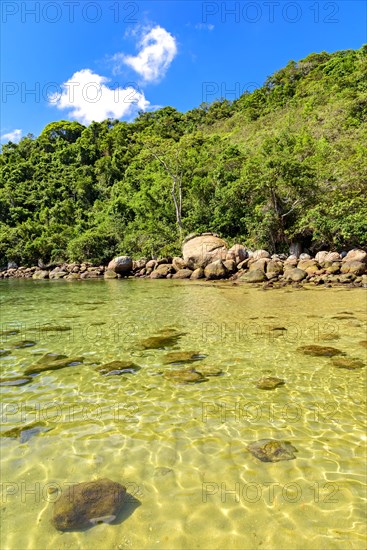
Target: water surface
181,449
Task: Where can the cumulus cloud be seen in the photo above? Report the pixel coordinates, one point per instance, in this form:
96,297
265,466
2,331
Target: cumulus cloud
88,98
157,48
13,136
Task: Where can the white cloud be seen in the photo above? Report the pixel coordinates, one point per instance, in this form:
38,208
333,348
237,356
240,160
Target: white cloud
158,48
13,136
89,99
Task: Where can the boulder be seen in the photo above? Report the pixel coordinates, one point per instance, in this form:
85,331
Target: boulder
86,504
243,264
41,274
333,257
258,265
179,263
182,274
57,273
257,276
230,265
258,254
333,268
121,264
347,277
356,255
321,256
216,270
110,274
296,275
151,264
305,257
162,271
355,267
310,266
274,268
198,274
139,264
203,250
239,252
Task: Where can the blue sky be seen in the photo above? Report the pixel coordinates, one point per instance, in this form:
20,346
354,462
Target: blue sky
89,60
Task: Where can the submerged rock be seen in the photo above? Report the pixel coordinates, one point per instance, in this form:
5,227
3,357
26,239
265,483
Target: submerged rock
24,433
4,352
24,344
207,370
363,343
52,328
185,376
320,351
349,363
9,332
270,383
161,471
15,381
164,340
325,336
118,367
272,450
87,504
46,363
176,357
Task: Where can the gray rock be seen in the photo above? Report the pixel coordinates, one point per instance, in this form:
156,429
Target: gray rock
257,276
258,254
296,275
182,274
216,270
87,504
121,264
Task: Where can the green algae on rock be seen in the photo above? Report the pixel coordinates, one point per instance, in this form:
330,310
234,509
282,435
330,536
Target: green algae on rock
320,351
161,341
185,376
117,368
270,383
272,450
176,357
208,370
45,364
24,344
24,433
86,504
9,332
349,363
15,381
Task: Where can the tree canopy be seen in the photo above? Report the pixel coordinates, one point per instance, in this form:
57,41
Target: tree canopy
285,163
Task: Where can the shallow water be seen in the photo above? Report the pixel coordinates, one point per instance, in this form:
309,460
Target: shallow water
181,449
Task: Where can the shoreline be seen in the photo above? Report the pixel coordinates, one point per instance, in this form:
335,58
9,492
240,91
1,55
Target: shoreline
207,257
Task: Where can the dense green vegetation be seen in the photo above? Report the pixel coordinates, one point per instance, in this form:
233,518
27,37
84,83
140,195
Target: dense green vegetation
285,163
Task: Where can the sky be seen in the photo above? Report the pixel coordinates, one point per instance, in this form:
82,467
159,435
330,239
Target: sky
92,60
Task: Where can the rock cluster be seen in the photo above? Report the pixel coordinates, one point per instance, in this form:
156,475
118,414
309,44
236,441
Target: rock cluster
206,256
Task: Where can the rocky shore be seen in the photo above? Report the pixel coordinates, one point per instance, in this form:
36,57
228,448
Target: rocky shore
206,256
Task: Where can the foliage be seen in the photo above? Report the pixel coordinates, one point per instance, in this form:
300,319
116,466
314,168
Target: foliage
287,162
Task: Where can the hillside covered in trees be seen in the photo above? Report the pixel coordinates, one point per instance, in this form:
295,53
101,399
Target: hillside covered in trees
285,163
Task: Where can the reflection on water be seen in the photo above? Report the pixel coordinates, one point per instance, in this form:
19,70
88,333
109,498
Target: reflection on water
181,448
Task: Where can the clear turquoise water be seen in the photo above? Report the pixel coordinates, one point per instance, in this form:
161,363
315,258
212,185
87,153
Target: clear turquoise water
181,449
